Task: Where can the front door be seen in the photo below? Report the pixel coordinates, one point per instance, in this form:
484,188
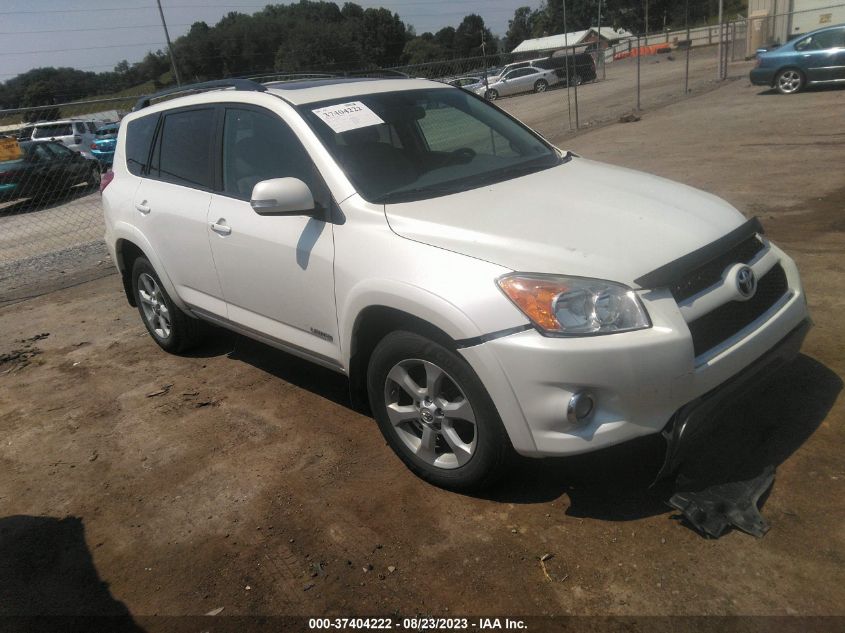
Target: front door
276,271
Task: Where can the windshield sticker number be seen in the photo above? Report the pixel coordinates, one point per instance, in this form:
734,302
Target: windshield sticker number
347,116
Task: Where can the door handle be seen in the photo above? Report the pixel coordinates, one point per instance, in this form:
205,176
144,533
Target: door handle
221,229
142,207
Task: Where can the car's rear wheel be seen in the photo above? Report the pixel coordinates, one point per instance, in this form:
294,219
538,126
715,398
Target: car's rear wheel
172,329
435,413
492,95
540,85
789,81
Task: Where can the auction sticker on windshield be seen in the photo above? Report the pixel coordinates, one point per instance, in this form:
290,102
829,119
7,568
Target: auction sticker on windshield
344,117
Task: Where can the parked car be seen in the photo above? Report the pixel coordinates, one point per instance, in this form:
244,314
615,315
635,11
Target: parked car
467,83
815,58
519,80
482,291
104,141
582,67
43,169
76,135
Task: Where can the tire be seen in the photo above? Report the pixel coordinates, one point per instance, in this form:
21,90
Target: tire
540,85
465,451
172,329
575,80
492,95
94,177
789,81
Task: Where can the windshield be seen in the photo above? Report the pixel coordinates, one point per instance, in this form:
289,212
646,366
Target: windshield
107,130
418,144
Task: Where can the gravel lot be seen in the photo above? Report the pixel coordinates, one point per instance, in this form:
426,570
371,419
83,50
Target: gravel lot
240,478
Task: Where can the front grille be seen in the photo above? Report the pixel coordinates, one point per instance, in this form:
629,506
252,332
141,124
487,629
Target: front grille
728,319
705,276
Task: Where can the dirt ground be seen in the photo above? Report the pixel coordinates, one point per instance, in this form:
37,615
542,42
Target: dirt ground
240,477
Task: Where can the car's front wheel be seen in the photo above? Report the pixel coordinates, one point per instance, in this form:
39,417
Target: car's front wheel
435,413
172,329
789,81
492,95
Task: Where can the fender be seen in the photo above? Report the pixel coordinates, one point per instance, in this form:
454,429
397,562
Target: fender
125,231
400,295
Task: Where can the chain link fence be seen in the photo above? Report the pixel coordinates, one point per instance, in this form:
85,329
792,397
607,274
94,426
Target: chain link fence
52,158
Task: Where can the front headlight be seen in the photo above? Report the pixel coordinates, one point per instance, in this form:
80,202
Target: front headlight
574,306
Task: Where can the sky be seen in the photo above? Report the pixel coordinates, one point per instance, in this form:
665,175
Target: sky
97,34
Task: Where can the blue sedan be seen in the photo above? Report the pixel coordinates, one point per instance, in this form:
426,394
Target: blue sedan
104,143
815,58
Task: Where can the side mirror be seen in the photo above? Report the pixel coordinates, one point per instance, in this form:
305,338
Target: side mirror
282,196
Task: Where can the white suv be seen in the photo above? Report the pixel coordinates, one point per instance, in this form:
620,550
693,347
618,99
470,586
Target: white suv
75,134
483,291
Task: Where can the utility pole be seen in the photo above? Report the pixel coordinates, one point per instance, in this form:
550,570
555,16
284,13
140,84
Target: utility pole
169,46
646,22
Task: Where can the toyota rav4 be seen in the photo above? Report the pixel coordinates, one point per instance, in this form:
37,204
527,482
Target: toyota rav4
484,292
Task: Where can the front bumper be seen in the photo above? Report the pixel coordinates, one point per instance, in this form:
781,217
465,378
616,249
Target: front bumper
639,380
762,76
693,421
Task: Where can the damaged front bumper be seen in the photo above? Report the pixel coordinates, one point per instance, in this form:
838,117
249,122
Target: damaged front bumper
694,422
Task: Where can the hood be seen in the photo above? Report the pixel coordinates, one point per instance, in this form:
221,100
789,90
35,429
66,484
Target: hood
580,218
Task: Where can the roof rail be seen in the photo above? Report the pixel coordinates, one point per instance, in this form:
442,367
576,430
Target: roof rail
237,84
300,76
377,72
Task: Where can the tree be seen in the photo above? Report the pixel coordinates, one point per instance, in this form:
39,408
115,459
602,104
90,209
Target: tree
422,49
469,36
520,27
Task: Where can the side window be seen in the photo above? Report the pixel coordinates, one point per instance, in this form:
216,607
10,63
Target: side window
447,129
91,127
259,146
40,153
139,137
60,151
185,147
79,128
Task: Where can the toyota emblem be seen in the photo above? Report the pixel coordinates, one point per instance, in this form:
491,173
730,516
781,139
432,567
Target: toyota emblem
746,282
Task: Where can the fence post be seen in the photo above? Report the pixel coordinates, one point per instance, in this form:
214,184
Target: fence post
689,46
638,72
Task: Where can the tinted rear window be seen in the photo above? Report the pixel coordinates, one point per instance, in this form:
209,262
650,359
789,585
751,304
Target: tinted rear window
185,148
49,131
139,137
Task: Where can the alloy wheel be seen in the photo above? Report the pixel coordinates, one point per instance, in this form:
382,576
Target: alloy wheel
430,413
789,81
153,305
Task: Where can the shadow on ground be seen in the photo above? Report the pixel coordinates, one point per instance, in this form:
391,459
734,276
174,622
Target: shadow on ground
41,203
48,581
614,484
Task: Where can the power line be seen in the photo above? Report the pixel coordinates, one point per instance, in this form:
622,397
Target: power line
100,29
84,48
210,6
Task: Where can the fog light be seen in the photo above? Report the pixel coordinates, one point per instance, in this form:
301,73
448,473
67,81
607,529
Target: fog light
580,407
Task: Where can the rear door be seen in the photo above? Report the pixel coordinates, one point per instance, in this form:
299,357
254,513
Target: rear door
171,204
